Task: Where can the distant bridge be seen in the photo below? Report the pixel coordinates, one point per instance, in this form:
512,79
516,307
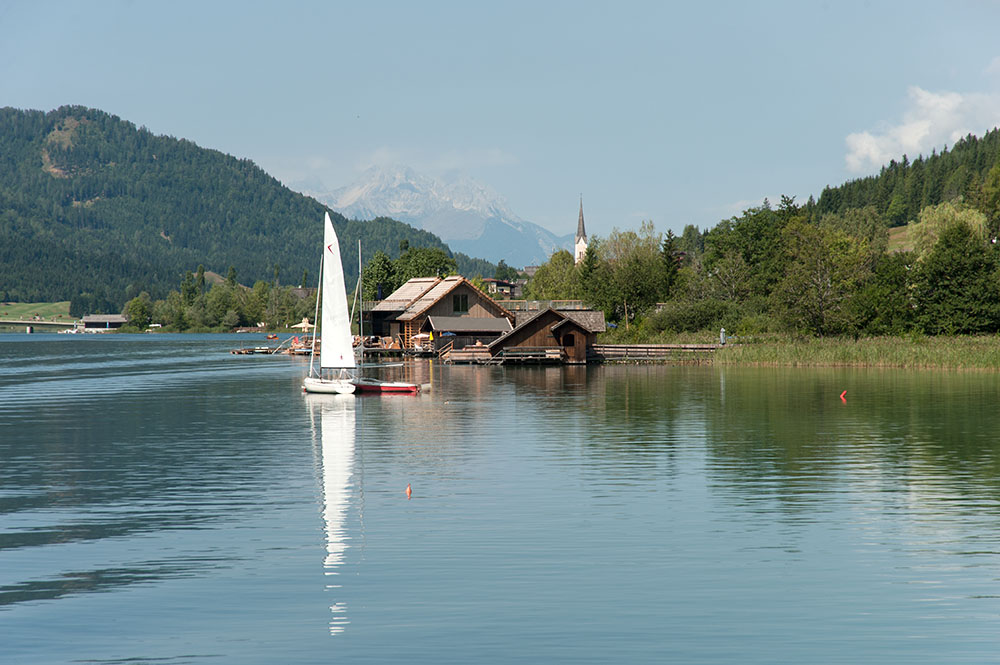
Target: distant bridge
38,322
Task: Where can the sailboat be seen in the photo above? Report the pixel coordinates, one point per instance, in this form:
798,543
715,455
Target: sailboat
337,366
366,384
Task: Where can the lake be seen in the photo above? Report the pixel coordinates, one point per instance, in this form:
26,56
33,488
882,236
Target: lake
165,501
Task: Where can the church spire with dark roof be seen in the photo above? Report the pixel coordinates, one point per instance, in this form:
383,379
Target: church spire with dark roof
580,245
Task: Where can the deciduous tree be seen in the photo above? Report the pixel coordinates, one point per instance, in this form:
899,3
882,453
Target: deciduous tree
824,272
956,287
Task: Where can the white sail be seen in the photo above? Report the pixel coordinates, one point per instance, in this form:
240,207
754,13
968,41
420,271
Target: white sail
336,347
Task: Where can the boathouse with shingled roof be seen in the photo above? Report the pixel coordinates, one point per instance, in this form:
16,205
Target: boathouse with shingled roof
569,333
409,310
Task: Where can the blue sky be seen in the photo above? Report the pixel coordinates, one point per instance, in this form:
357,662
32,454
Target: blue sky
679,113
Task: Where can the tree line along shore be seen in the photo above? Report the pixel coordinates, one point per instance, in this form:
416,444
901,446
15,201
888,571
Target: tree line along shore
910,351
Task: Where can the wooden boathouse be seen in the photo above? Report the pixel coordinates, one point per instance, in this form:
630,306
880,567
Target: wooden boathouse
548,336
104,321
428,307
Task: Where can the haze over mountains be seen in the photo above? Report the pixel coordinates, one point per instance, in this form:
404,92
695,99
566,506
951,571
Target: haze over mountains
471,217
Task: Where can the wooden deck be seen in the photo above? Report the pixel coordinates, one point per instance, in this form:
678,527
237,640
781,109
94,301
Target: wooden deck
650,352
470,355
596,353
379,352
480,355
530,356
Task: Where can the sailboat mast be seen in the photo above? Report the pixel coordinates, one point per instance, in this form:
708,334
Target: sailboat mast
319,289
361,309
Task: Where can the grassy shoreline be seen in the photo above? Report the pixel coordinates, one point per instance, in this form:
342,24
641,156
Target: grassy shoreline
917,352
910,351
45,311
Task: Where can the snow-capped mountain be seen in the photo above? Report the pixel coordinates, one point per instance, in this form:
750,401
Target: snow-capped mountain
471,217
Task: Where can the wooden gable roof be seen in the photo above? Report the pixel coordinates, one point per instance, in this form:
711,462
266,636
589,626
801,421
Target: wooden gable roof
591,320
570,323
588,319
440,290
400,299
525,328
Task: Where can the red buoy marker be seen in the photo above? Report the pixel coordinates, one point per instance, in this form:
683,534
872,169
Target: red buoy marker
842,398
408,490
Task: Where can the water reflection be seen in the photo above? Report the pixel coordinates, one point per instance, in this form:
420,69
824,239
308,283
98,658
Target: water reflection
718,515
110,480
897,429
105,579
335,436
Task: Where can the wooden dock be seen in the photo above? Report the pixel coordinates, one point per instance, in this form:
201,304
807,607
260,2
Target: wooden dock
611,353
526,355
470,355
650,352
379,352
480,355
255,350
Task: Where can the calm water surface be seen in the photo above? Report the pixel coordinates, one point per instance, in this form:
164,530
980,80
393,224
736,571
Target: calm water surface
164,501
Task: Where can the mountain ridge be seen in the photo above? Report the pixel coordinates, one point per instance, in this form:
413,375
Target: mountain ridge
468,215
92,204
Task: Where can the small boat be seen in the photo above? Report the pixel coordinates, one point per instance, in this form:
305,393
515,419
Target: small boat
369,385
272,336
337,367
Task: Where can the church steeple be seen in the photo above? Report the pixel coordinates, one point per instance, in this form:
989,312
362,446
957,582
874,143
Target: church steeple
580,246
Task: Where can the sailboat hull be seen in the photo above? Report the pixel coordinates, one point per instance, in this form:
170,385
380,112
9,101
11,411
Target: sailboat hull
364,385
312,384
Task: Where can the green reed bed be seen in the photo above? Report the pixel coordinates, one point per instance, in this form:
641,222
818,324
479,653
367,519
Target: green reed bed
966,352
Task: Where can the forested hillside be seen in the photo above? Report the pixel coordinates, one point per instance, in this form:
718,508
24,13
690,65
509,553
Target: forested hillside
824,268
904,188
94,209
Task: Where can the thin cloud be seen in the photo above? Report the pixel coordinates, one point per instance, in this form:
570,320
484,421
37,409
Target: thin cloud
382,156
465,160
932,121
451,161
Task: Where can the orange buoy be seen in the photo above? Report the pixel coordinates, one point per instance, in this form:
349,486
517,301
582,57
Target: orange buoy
408,490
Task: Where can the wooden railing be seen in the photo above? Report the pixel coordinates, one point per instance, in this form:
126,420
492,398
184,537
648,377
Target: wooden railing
624,351
530,354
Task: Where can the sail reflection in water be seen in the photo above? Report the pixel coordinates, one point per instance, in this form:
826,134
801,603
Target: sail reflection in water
336,416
